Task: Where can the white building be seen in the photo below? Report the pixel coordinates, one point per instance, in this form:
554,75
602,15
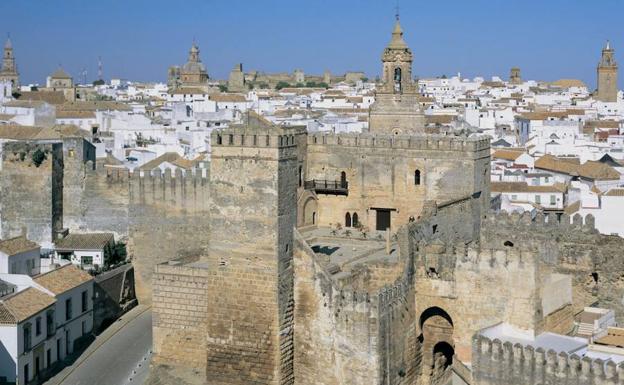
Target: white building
84,250
19,256
43,321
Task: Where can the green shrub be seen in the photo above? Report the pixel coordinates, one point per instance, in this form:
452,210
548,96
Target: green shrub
38,157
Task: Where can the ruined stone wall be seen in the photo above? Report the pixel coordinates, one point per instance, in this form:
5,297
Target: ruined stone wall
179,314
568,247
497,363
381,170
336,331
31,197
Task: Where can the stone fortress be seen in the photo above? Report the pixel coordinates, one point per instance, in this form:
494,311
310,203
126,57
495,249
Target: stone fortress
295,258
371,259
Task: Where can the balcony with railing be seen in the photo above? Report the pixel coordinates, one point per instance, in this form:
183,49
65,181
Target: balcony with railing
331,187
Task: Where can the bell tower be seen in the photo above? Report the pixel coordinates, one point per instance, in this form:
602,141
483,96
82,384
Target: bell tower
396,109
397,61
9,69
607,76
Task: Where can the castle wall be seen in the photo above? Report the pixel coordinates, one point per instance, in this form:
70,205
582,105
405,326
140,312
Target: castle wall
380,171
162,216
486,287
168,218
567,247
179,316
497,363
31,197
336,332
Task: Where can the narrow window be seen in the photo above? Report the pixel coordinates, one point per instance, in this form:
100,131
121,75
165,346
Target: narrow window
219,139
38,326
85,299
343,179
68,309
347,220
417,177
355,220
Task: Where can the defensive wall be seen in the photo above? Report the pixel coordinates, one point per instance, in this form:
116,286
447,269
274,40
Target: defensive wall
498,363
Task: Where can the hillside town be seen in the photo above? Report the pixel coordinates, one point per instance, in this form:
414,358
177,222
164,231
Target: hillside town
113,183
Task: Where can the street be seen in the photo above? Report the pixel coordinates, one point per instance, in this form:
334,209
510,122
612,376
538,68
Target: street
122,357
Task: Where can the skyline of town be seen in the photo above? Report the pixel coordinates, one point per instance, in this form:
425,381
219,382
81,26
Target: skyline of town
137,43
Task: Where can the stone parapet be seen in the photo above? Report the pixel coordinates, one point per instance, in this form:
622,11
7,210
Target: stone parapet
502,363
414,142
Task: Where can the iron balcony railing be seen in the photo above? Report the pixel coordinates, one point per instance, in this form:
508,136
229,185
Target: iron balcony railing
335,187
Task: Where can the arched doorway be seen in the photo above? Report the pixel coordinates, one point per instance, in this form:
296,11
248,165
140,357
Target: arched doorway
347,220
310,208
355,220
437,344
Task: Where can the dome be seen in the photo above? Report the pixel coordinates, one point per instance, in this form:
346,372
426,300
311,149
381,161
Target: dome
194,67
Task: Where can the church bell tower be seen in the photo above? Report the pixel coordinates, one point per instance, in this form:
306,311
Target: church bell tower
607,76
396,109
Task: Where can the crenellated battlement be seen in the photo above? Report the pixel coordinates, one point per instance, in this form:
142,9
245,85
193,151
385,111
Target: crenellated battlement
495,362
118,174
390,295
254,139
541,222
414,142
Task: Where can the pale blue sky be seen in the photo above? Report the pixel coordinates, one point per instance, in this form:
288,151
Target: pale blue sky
139,39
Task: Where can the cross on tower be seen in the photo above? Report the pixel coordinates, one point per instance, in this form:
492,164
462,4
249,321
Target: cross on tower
397,10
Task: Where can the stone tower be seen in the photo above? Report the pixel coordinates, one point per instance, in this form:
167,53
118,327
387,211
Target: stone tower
253,191
607,76
236,81
9,69
396,109
514,76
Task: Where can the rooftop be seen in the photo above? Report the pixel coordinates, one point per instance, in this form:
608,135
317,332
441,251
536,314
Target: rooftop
17,245
22,305
89,241
64,278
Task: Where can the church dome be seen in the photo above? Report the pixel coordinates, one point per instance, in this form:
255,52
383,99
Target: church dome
194,67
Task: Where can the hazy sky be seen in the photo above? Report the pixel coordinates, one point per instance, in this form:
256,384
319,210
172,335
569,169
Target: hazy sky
139,39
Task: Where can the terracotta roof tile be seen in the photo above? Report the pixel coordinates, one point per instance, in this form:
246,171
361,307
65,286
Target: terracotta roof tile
90,241
507,154
17,245
509,187
23,305
64,278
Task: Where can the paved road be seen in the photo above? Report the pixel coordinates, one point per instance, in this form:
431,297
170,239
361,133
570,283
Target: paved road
123,357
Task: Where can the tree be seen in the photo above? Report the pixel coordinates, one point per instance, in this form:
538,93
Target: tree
38,157
223,88
115,253
281,85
